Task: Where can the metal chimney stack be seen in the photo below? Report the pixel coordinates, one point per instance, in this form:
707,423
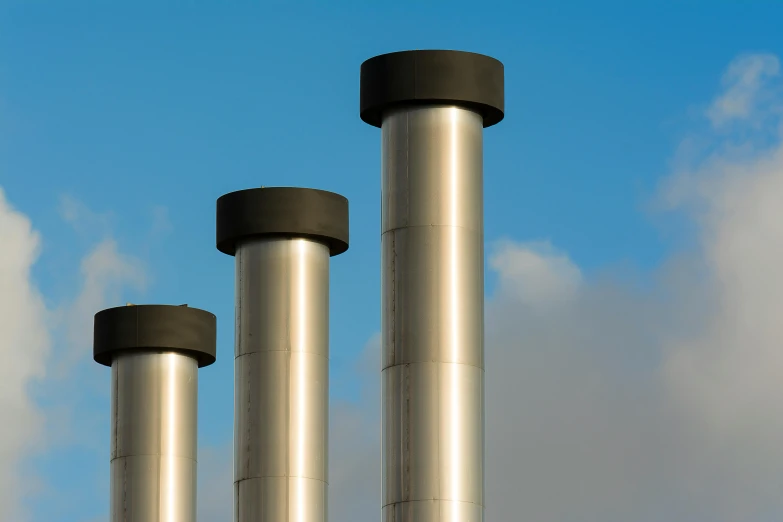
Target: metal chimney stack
432,107
154,352
282,239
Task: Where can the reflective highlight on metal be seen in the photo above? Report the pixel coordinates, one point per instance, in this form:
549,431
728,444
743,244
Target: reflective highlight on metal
153,437
281,381
433,315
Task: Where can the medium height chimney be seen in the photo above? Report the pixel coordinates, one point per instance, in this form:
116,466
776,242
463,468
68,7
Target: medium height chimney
432,107
282,239
154,352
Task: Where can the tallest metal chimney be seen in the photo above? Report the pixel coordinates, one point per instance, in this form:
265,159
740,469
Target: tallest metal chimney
432,107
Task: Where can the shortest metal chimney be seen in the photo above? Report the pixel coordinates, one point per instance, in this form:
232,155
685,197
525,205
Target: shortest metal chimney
154,352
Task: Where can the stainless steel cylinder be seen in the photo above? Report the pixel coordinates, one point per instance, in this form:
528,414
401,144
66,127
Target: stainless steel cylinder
432,277
153,443
154,353
282,379
282,239
433,311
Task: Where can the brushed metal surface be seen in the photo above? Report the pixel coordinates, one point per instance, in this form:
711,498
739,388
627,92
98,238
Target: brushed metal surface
281,381
433,429
433,511
432,296
281,499
432,315
282,289
282,407
153,488
432,168
153,437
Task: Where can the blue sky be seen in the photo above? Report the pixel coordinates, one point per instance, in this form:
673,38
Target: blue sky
121,123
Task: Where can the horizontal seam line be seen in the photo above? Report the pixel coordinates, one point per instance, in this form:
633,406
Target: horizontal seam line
236,481
166,455
433,500
480,232
283,351
431,362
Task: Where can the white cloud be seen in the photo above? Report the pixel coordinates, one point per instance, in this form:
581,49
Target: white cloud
538,274
83,219
572,414
727,375
743,94
25,345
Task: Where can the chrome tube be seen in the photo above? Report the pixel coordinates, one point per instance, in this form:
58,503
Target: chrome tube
433,314
153,437
432,106
281,380
154,352
282,238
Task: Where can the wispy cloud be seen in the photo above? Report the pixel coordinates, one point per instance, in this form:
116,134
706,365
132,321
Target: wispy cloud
744,97
161,222
538,274
25,345
83,219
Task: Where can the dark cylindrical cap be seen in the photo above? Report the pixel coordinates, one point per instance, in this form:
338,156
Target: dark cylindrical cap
155,328
464,79
284,212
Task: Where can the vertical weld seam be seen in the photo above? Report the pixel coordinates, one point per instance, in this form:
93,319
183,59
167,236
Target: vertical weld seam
161,409
248,427
160,485
406,368
117,438
287,499
240,300
116,411
288,429
406,426
407,169
290,302
393,314
289,273
124,489
438,493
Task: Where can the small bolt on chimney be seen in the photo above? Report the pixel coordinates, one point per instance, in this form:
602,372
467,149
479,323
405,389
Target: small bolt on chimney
154,352
282,239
